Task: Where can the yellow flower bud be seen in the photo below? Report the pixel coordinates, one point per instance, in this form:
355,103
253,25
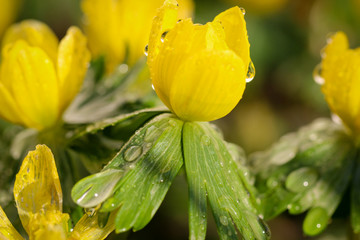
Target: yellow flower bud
39,76
340,79
119,29
198,71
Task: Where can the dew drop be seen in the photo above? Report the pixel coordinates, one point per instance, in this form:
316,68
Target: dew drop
205,140
172,122
132,153
317,75
163,35
301,179
96,195
250,73
315,221
152,86
243,11
123,68
224,220
265,228
146,50
151,134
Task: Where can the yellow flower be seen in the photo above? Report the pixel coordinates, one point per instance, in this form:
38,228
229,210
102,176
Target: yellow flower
8,12
340,73
119,29
198,71
39,76
38,198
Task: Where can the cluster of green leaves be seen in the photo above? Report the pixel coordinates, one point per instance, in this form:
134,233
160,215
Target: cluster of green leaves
309,170
136,180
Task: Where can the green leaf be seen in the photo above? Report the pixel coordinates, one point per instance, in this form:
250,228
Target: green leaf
213,174
355,199
309,169
111,95
96,144
145,167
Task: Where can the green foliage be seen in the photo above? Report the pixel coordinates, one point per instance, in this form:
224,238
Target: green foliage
213,174
136,180
307,170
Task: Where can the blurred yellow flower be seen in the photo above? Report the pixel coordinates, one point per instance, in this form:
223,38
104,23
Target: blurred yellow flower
39,76
340,74
198,71
38,198
119,29
8,12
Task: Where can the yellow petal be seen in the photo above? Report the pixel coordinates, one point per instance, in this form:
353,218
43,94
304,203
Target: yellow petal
235,30
340,70
88,228
9,109
165,19
29,76
208,85
36,34
181,42
37,187
7,231
72,64
49,225
123,39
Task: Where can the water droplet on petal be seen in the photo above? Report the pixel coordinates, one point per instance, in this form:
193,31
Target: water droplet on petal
152,86
163,35
317,75
301,179
146,50
205,140
250,73
243,10
132,153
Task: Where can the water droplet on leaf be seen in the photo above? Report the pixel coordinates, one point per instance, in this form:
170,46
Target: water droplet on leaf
224,220
205,140
301,179
151,134
315,221
132,153
250,73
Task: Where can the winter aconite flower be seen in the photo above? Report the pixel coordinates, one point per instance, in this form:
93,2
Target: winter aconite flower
340,75
198,71
119,29
38,198
39,76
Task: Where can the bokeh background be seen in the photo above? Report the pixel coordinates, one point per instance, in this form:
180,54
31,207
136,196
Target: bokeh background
286,38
